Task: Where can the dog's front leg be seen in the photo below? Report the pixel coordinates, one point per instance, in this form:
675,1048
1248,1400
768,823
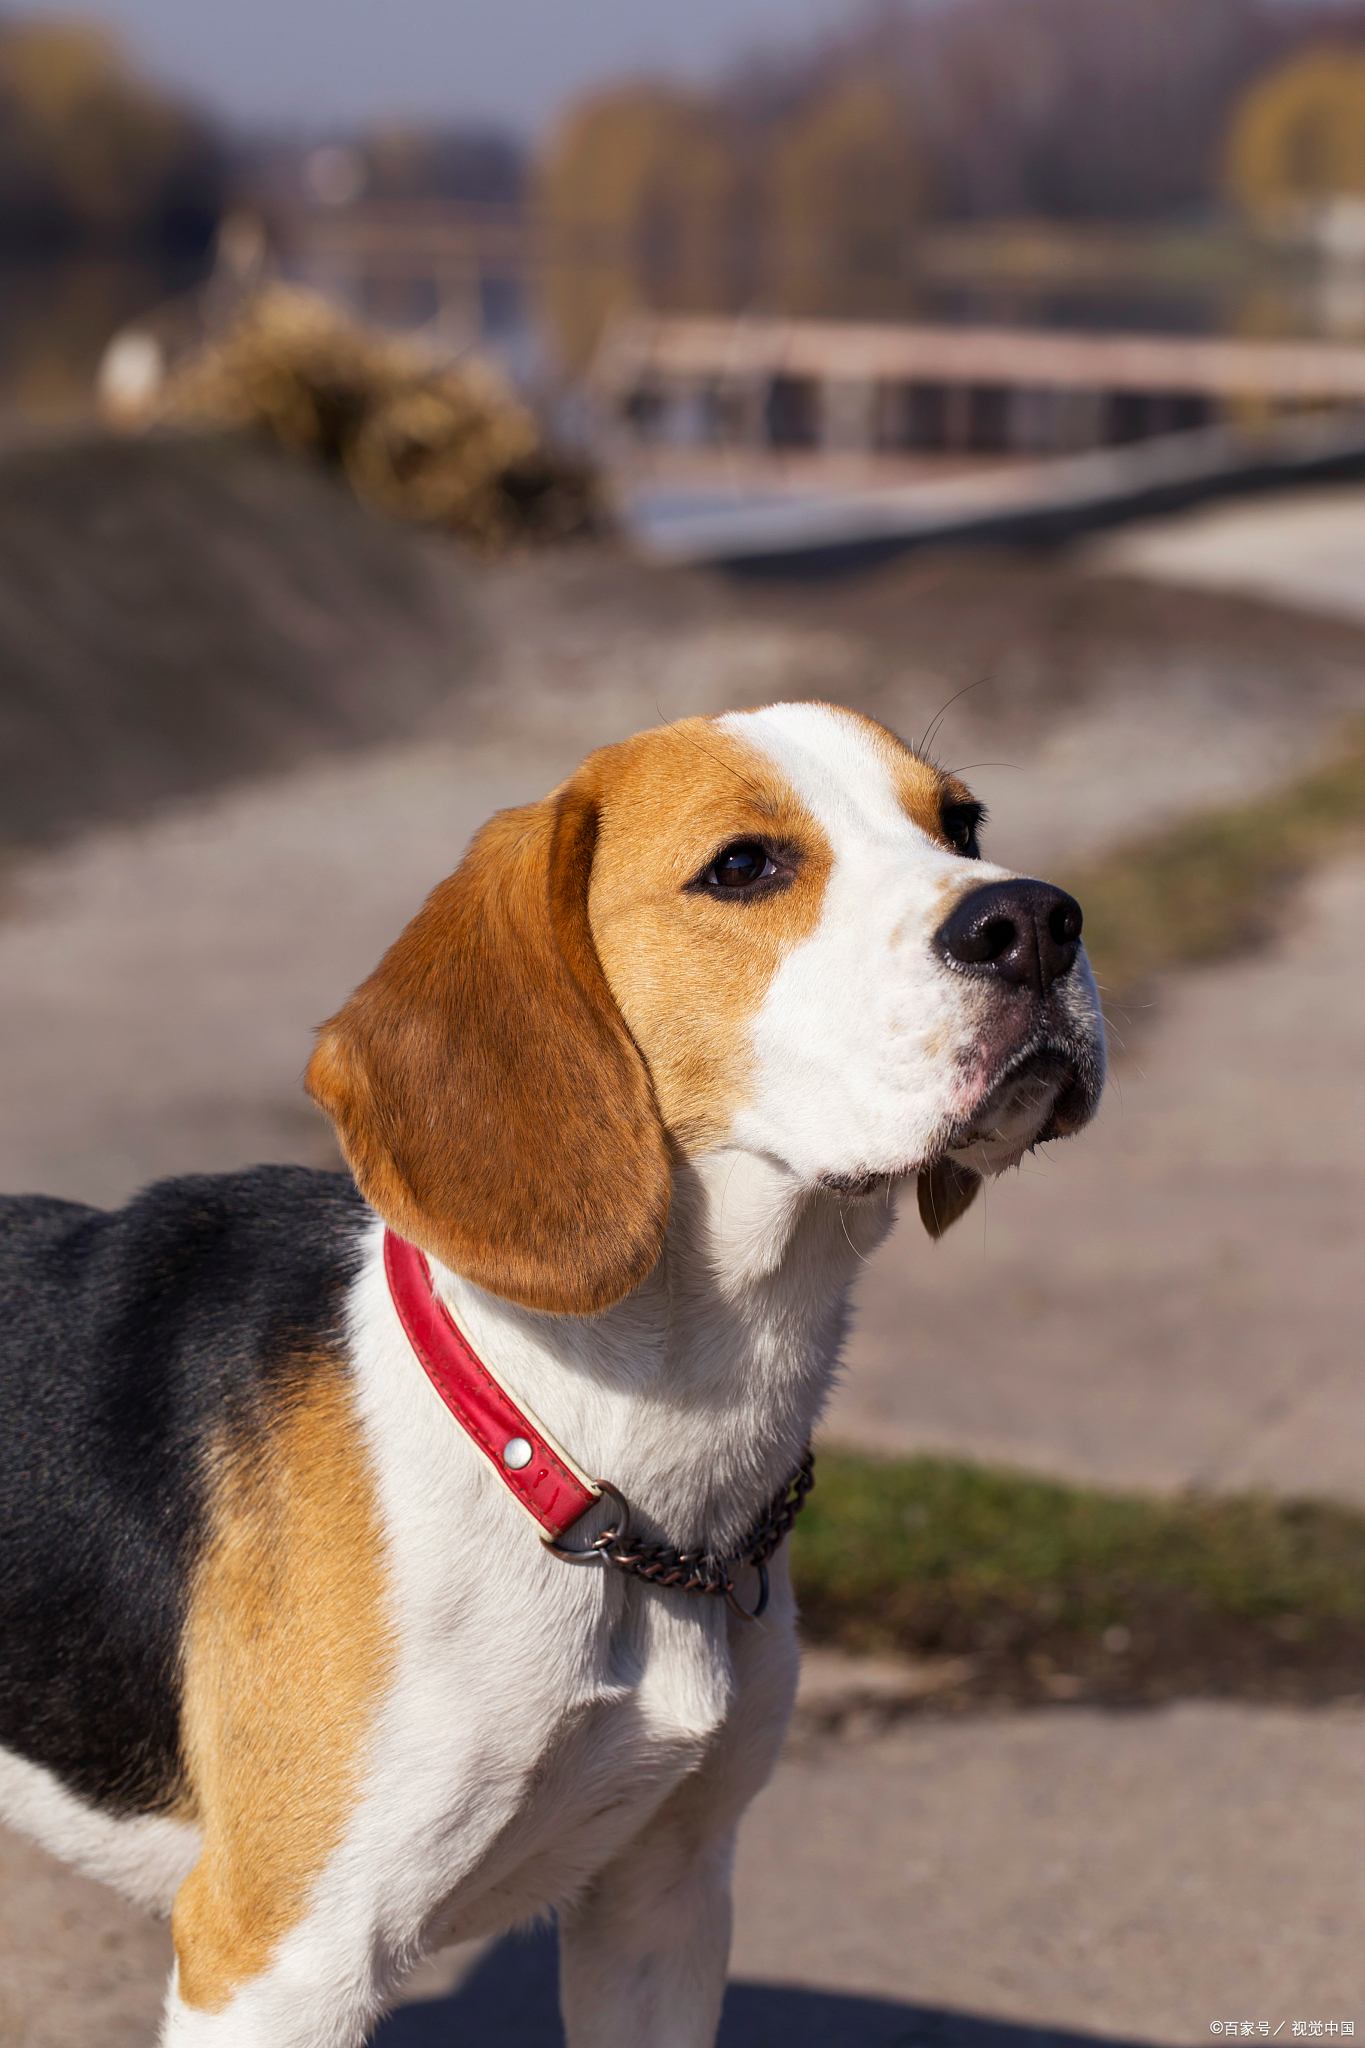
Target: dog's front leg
281,2008
314,2017
644,1951
256,1967
643,1954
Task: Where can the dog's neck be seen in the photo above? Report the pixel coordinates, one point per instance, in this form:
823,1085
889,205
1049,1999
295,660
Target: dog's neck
697,1393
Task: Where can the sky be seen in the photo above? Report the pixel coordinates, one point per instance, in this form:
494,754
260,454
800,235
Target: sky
329,63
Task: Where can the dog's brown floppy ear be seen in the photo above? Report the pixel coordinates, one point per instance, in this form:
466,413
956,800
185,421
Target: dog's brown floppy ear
489,1099
946,1191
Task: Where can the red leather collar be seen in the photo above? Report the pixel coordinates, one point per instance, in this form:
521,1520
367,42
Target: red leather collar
526,1457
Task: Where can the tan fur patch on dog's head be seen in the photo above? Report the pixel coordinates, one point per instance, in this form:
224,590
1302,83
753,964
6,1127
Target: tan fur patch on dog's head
688,966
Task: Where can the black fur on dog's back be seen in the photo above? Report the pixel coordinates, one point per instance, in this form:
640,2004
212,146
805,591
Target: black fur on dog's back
130,1343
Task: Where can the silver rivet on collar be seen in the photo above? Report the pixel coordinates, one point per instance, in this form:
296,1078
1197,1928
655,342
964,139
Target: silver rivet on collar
517,1453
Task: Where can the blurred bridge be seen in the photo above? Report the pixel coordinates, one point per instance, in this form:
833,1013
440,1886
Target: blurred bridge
936,391
765,443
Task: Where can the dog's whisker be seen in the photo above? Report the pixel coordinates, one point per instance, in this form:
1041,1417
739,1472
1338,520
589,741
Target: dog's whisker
935,723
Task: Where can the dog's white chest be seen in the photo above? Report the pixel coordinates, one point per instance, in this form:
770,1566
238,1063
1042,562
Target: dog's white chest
524,1764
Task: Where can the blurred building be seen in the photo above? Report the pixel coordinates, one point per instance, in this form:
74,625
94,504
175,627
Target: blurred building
421,231
456,272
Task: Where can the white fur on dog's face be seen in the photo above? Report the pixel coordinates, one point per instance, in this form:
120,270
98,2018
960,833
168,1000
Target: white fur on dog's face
872,1056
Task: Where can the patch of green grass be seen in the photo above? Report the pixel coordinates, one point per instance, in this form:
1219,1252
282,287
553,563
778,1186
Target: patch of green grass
1131,1594
1214,884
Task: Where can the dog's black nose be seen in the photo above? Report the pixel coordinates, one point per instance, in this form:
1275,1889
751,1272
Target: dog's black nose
1023,932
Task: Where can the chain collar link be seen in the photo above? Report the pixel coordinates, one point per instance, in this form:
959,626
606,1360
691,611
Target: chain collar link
700,1571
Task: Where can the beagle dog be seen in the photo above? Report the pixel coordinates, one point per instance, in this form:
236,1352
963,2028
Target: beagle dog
297,1642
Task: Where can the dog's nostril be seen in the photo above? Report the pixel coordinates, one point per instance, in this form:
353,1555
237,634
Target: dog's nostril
977,942
996,939
1065,922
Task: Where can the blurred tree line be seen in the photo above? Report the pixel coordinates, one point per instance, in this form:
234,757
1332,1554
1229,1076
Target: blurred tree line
92,161
798,185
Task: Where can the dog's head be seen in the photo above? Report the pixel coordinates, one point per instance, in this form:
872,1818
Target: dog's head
770,932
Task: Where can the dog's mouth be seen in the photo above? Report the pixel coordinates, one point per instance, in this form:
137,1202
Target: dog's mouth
857,1187
1045,1092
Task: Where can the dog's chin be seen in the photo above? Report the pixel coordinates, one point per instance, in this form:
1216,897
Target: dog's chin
1040,1097
1043,1094
860,1187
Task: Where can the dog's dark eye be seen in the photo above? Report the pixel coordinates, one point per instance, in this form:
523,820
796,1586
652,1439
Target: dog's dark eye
961,823
739,866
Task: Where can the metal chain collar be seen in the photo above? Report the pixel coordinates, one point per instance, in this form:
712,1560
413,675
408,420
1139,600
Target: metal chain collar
700,1571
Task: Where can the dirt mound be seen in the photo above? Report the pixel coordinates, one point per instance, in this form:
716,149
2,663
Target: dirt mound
178,613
